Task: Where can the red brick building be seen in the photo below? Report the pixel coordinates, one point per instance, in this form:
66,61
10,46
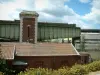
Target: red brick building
47,55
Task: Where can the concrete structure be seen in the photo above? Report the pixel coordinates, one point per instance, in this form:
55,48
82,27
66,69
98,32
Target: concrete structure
89,42
28,26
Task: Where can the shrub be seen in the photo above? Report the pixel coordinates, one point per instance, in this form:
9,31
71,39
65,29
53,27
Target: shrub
78,70
36,71
74,70
5,69
1,73
94,66
63,71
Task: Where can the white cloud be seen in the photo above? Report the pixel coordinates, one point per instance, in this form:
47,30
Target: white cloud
40,5
9,10
94,15
76,19
45,17
96,4
49,11
84,1
59,11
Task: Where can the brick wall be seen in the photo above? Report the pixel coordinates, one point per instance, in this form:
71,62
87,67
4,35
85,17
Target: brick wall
49,61
28,30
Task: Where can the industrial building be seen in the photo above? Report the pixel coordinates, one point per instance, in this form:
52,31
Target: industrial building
89,42
22,42
10,30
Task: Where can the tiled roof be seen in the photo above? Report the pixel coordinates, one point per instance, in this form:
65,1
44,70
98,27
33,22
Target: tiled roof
42,49
7,51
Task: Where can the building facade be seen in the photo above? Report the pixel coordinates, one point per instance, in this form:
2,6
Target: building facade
89,42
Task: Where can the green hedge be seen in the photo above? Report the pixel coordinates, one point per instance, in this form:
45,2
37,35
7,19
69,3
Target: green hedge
74,70
94,66
1,73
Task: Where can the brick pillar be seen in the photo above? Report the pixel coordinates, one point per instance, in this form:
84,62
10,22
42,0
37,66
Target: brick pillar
28,26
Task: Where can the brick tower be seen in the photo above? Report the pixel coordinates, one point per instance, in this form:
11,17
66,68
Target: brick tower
28,26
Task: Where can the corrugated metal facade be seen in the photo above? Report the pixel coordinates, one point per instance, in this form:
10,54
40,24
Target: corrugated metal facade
92,41
91,44
11,30
49,32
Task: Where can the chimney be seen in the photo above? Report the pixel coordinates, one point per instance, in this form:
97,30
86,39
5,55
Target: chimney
28,26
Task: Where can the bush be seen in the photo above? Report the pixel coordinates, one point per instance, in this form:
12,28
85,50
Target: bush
63,71
36,71
5,69
94,66
78,70
43,71
74,70
1,73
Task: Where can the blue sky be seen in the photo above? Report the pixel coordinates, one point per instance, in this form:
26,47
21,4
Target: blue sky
79,7
83,13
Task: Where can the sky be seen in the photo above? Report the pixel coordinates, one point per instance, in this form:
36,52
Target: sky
83,13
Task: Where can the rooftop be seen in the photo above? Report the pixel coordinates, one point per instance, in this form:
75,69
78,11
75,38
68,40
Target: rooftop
17,22
29,13
91,30
39,49
7,51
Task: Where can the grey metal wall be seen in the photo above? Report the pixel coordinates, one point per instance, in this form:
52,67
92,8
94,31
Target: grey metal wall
11,30
89,46
45,32
91,35
92,41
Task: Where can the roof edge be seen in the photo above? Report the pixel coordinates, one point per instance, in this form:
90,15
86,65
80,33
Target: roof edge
75,49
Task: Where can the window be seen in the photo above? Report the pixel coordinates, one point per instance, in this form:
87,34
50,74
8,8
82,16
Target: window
28,28
39,64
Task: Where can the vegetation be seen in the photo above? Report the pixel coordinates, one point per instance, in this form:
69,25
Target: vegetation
94,66
1,73
4,67
74,70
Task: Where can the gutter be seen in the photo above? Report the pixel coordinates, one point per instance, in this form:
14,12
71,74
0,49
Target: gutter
75,49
